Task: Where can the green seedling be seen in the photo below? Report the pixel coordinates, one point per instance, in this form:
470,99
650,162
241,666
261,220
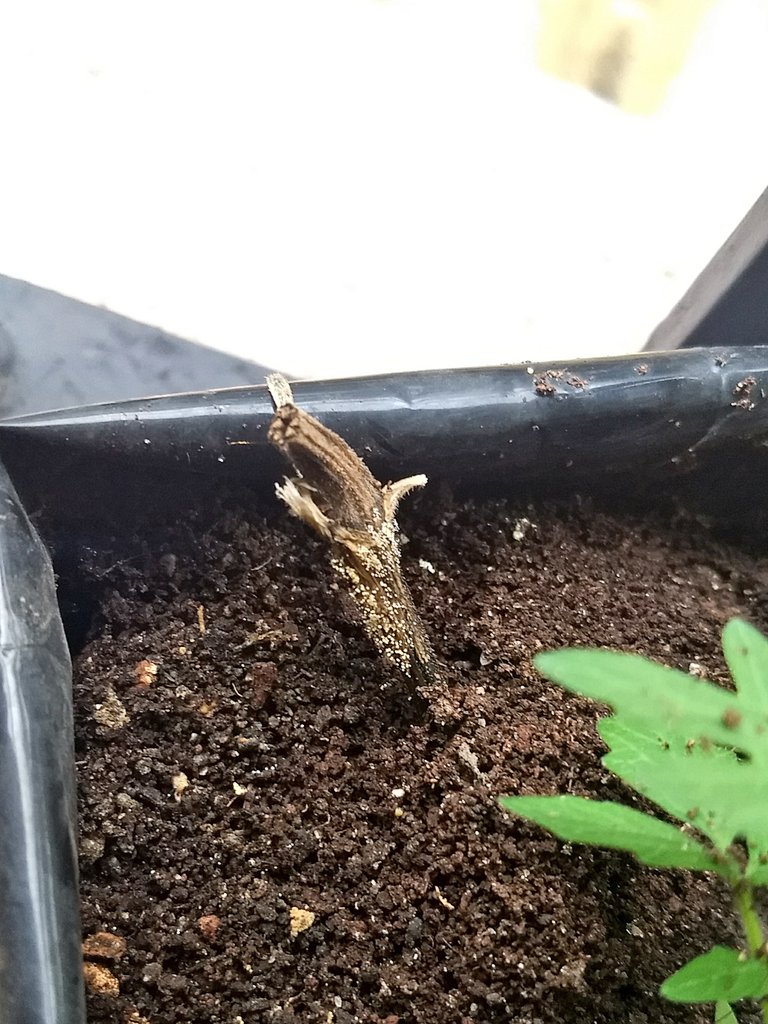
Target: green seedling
699,752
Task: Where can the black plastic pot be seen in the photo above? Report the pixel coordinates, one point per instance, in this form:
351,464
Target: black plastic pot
693,424
56,351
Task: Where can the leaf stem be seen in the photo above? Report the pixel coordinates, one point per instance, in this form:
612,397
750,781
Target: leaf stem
744,895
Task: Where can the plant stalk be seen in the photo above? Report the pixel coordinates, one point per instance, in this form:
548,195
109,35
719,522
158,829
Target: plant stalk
753,929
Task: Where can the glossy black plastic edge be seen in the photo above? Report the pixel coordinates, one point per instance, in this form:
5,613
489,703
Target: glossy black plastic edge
497,424
41,972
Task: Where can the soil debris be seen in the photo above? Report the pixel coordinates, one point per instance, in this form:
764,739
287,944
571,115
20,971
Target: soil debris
301,919
209,925
111,712
180,784
743,393
100,980
542,384
262,677
104,946
522,526
145,672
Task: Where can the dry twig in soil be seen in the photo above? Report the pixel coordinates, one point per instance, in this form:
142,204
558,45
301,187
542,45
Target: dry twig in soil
336,494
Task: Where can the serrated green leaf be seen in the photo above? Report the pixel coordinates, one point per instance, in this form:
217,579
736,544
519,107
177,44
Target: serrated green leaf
722,797
601,823
746,652
719,974
724,1013
649,696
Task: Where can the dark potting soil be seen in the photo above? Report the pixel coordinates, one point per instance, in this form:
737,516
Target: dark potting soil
281,830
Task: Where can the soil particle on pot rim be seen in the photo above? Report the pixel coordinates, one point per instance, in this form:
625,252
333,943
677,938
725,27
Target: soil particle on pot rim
324,792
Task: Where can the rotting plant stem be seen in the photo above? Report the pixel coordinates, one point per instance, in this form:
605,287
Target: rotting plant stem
744,895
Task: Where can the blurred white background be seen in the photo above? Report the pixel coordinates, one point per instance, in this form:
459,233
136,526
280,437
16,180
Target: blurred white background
343,186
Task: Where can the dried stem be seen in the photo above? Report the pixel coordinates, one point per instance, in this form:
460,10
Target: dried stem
335,493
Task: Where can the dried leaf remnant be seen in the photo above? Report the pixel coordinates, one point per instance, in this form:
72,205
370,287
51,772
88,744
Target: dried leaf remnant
335,493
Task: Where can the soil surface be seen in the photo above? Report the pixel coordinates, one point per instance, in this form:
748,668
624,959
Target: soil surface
282,830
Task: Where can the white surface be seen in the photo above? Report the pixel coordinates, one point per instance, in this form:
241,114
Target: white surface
343,186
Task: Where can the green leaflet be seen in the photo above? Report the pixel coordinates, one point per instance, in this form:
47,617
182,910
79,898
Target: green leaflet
719,974
720,796
601,823
746,651
616,734
649,696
